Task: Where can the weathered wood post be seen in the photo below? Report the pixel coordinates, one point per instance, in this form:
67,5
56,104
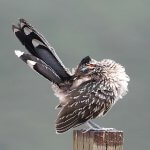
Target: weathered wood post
97,140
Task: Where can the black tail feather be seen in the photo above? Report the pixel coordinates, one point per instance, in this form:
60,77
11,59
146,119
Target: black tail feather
37,45
40,66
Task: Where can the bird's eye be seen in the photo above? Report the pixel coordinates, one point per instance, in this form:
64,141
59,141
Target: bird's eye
91,65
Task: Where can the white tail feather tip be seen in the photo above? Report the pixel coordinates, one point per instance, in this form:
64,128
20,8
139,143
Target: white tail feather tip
36,43
31,63
27,31
22,24
19,53
15,30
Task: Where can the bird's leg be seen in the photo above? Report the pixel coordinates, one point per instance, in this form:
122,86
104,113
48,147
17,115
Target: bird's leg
91,126
94,126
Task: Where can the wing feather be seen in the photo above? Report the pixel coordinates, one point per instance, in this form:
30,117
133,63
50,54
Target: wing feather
85,103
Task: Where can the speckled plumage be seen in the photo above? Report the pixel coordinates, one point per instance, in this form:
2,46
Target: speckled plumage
86,93
92,98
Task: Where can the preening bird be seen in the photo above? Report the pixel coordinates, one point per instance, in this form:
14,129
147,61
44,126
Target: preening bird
84,94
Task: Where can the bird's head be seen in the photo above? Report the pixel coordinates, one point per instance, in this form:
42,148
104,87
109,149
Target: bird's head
86,67
112,73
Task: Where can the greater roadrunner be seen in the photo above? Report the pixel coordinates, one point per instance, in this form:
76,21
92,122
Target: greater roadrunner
86,93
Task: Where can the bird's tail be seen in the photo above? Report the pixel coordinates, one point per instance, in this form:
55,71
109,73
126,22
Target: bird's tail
42,53
40,66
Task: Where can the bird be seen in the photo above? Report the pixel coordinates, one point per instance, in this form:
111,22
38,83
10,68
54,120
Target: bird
85,93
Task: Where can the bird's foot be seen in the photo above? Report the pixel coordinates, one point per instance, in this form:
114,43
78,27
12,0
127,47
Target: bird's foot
86,130
107,129
95,127
100,129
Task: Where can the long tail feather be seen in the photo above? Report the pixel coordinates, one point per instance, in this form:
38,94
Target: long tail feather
37,45
40,66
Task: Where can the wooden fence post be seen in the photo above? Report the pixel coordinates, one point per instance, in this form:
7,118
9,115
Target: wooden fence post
97,140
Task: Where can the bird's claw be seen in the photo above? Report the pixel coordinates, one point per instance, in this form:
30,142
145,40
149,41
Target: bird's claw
100,129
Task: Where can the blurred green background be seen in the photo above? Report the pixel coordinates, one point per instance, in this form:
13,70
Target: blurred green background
114,29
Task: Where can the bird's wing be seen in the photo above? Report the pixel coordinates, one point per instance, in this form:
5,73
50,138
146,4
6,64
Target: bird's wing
86,102
38,46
